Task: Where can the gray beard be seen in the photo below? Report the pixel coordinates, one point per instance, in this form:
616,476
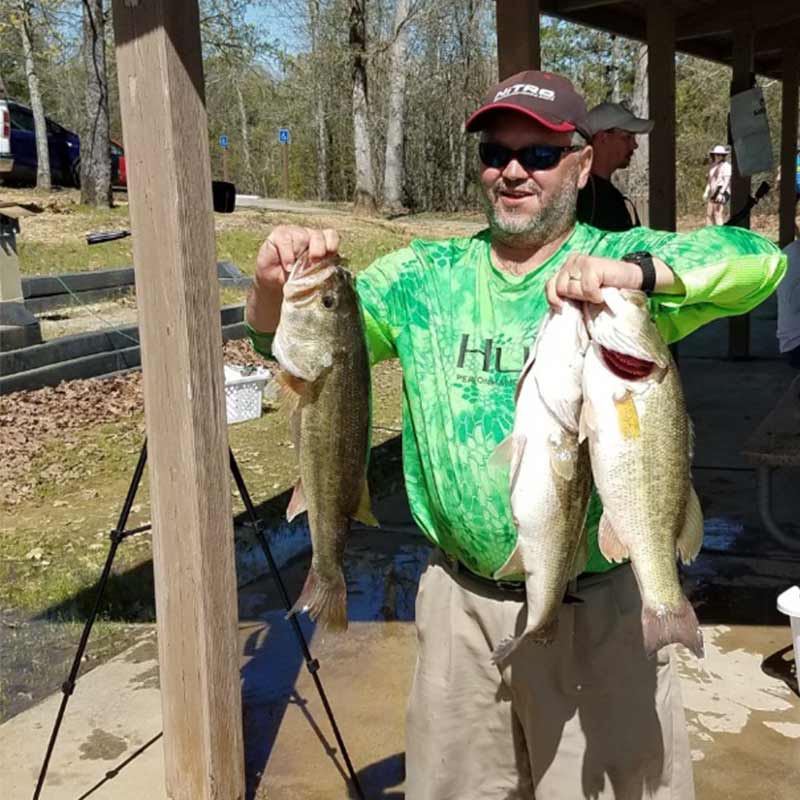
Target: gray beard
551,221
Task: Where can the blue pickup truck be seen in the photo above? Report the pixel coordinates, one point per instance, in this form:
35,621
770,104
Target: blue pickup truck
18,157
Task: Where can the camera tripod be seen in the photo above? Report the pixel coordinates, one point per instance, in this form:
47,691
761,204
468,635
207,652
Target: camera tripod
120,533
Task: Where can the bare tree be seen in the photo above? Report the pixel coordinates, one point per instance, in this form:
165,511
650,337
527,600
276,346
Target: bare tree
393,172
25,18
319,102
639,169
364,200
95,142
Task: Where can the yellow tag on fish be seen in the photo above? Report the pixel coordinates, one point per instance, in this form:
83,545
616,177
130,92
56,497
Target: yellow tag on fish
627,417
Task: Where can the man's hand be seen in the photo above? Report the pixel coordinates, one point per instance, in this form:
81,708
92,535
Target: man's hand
582,277
275,258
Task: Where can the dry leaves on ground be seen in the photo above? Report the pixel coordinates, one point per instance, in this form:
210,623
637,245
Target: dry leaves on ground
31,419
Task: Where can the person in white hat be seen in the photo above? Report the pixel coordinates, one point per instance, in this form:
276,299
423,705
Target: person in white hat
717,193
613,129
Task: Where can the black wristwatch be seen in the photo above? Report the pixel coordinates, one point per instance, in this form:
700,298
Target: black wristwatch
644,261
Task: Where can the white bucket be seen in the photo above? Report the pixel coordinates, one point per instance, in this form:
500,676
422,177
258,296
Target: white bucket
789,604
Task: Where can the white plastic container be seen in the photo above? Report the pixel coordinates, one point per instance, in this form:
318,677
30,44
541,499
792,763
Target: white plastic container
244,389
789,604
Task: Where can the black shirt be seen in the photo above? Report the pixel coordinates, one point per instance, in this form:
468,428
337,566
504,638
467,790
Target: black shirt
602,205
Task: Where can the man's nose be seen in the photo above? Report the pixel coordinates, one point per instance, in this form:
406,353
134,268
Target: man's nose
514,170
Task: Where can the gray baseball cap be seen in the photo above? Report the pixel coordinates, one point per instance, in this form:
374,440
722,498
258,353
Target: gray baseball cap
605,116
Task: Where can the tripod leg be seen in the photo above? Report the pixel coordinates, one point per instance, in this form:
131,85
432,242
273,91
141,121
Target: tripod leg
68,687
311,663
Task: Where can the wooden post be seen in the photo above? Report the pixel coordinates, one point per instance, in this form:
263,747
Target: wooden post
169,176
517,36
743,33
789,110
661,88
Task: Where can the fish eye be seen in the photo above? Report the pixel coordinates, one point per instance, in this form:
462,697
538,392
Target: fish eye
328,300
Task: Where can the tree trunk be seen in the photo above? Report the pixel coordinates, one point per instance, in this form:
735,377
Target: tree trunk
40,127
364,201
639,169
393,189
95,143
248,164
319,104
617,57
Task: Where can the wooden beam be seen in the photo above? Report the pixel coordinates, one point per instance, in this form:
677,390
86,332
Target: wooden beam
517,36
722,17
789,111
743,39
567,6
661,88
169,177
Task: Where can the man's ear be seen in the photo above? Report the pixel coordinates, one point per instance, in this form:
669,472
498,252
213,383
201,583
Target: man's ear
584,165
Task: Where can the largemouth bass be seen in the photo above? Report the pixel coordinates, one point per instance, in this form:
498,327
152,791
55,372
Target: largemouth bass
550,475
640,441
321,349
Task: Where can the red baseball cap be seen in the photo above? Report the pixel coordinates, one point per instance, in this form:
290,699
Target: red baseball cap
548,98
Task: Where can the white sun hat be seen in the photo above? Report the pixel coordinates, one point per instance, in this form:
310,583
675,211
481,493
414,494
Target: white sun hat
719,150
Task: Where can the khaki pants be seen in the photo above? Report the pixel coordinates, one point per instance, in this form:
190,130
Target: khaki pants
586,717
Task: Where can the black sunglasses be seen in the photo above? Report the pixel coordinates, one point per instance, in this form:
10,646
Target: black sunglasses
533,157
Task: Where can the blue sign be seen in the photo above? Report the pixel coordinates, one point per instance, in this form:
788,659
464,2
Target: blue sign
223,141
283,136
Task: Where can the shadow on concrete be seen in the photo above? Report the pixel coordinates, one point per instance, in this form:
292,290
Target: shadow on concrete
781,665
382,575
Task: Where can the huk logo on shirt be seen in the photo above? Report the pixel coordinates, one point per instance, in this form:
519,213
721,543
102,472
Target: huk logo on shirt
526,88
496,360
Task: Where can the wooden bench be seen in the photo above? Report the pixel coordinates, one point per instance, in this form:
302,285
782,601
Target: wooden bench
776,443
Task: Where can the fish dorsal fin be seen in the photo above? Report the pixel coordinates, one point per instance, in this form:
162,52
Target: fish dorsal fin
690,539
364,511
514,565
610,545
297,505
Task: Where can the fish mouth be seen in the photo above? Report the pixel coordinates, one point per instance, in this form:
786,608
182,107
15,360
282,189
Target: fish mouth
626,367
305,278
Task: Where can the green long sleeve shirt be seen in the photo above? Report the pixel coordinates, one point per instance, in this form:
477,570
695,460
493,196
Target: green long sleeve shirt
462,330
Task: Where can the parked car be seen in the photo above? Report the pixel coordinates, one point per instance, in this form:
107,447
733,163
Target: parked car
20,147
19,159
119,174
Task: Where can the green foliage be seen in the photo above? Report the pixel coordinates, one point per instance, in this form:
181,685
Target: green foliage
264,75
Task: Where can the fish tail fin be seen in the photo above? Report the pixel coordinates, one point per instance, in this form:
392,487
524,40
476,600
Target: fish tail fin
505,649
545,635
661,628
325,601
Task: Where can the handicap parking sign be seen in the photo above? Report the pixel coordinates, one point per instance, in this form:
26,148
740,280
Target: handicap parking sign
223,141
283,135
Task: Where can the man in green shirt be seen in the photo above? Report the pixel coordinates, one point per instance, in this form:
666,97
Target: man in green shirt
589,715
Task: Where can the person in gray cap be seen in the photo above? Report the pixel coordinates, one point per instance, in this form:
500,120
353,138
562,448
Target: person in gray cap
613,129
588,716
